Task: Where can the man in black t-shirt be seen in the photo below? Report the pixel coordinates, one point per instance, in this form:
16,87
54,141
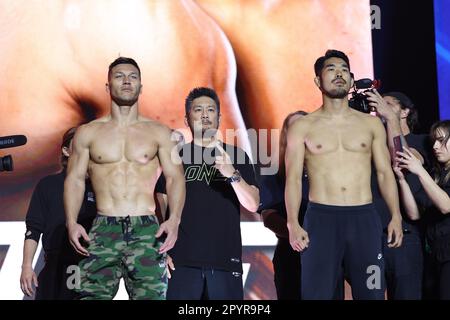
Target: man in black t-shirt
219,179
404,266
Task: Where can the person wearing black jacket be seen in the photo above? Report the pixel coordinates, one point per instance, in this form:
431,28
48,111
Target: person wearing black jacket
404,266
434,195
46,217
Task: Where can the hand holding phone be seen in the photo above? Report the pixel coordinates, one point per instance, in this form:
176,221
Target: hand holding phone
398,146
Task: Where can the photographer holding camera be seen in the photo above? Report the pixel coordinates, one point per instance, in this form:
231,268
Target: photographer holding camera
403,266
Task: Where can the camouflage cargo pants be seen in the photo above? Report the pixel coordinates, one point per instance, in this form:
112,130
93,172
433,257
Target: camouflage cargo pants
123,247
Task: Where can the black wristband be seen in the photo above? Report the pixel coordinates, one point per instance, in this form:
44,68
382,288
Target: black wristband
236,177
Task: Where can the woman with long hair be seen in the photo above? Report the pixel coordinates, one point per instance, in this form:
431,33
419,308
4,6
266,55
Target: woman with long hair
434,195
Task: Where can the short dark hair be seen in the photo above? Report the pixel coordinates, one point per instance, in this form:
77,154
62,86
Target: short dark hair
201,92
406,103
318,66
123,60
65,143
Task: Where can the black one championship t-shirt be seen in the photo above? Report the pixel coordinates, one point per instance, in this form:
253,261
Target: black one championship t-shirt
209,234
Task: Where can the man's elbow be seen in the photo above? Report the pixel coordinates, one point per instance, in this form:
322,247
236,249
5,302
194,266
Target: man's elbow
382,174
252,205
253,208
74,182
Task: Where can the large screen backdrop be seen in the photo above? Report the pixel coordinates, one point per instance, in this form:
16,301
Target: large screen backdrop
257,54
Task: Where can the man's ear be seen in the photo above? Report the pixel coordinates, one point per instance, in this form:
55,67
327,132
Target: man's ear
65,151
186,121
140,89
107,87
318,82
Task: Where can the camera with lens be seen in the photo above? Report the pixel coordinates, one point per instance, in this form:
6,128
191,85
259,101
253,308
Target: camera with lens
6,162
359,101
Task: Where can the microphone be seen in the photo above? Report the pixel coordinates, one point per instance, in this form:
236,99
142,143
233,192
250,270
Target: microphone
12,141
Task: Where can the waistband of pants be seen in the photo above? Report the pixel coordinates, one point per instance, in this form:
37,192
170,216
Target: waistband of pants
132,220
332,209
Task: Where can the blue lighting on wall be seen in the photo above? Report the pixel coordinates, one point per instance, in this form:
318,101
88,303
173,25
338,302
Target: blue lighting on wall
442,29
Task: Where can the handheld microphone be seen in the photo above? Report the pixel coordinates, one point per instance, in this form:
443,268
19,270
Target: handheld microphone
12,141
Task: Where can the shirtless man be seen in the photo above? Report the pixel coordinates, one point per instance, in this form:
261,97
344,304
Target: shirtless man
341,226
122,153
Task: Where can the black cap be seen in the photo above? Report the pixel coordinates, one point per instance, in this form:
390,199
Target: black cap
402,98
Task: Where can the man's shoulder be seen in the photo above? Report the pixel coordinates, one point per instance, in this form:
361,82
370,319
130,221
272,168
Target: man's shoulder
86,132
97,122
304,123
92,125
364,116
154,126
367,119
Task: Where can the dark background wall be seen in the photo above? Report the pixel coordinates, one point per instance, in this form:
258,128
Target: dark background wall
404,54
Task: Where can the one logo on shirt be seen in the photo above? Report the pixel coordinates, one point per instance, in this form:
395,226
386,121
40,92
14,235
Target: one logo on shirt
28,233
380,256
202,173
